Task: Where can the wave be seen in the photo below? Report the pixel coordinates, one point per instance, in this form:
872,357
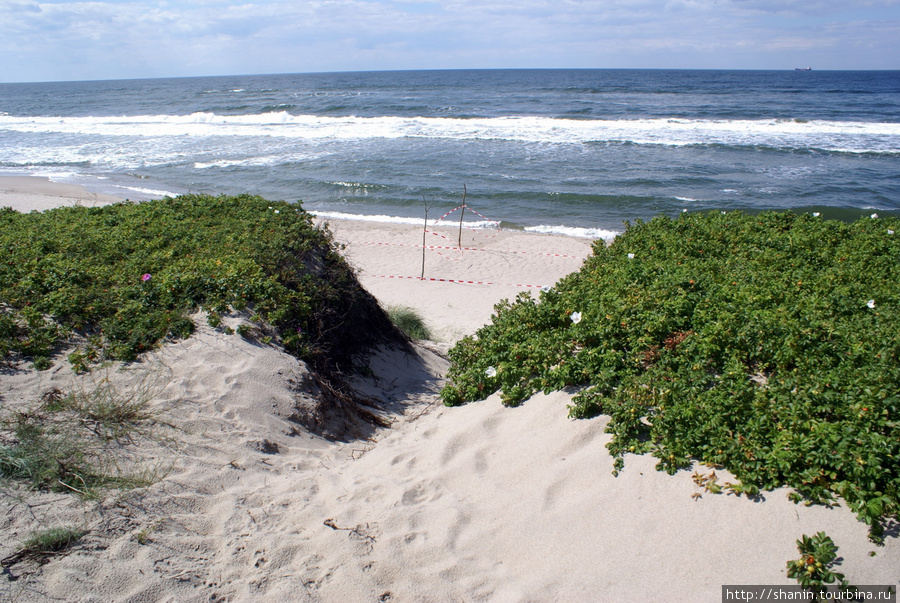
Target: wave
259,161
830,136
149,192
357,185
335,215
569,231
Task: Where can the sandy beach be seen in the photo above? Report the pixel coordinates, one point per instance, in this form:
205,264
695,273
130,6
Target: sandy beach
31,193
475,503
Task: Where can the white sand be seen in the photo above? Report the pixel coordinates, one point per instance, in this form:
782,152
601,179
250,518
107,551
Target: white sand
478,503
30,193
389,261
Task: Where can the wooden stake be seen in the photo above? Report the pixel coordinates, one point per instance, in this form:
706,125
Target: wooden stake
461,214
424,234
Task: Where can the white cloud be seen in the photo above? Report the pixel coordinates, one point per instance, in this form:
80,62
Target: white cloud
107,39
813,7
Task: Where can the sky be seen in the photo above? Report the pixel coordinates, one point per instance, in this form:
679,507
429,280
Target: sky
124,39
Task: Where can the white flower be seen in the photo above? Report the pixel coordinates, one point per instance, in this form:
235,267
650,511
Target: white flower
816,214
576,317
871,303
630,256
890,232
277,211
545,288
491,372
874,216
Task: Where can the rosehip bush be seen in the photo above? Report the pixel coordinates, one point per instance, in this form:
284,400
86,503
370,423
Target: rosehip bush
769,344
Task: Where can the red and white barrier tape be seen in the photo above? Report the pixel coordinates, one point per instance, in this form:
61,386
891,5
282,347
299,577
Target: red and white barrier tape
557,255
459,281
460,250
482,216
495,222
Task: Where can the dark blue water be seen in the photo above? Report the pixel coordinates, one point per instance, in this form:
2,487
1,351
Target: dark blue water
566,150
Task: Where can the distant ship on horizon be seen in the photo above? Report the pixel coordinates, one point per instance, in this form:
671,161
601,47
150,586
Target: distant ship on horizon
802,68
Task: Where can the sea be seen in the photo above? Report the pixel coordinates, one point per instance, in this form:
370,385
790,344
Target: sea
578,152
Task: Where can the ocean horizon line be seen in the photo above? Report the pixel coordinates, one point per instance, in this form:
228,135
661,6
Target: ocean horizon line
455,70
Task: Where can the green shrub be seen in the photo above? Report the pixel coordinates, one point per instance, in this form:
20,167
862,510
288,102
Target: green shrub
815,567
765,343
126,276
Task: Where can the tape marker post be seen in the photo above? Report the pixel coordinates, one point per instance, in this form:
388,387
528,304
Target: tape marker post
460,249
464,207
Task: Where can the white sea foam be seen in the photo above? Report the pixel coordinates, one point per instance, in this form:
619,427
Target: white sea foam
482,224
57,176
354,185
852,137
336,215
569,231
588,233
259,161
224,163
149,191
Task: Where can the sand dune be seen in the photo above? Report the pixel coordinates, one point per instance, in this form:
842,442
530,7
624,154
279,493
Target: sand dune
476,503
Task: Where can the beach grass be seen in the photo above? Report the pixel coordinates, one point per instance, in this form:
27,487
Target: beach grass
42,545
79,442
409,321
52,539
768,344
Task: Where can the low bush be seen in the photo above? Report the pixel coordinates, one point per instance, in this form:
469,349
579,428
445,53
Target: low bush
816,566
768,344
126,276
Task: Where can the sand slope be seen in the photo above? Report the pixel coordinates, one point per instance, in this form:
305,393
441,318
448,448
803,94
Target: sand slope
474,503
477,503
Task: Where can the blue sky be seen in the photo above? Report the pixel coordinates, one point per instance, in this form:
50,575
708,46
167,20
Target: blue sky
110,39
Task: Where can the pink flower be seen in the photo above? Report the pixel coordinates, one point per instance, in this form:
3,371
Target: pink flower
146,278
